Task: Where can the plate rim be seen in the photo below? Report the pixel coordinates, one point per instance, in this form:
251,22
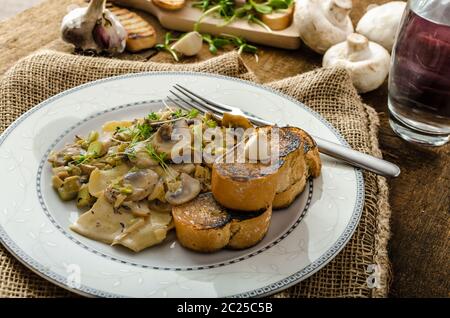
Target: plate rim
309,270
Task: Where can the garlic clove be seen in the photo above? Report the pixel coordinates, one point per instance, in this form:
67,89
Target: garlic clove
367,62
109,34
190,44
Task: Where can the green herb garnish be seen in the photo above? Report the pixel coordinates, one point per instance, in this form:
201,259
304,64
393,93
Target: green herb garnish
80,159
178,113
228,11
168,38
153,116
192,114
141,132
211,123
160,158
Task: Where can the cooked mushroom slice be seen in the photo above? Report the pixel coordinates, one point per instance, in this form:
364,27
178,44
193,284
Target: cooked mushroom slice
188,168
163,142
86,169
158,192
142,183
159,206
61,158
189,189
136,208
141,158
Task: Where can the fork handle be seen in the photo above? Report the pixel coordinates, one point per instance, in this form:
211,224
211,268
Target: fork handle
353,157
358,159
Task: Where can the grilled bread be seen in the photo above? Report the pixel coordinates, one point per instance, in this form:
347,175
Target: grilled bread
279,19
203,225
171,5
256,186
141,35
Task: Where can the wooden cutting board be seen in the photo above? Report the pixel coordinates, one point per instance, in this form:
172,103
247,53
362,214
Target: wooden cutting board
183,20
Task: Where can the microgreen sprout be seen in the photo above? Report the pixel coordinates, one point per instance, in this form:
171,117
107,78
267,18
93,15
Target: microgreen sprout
168,39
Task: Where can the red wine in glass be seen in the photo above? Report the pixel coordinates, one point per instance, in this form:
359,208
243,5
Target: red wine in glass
419,80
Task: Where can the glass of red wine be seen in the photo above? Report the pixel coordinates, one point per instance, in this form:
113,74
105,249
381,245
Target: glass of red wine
419,80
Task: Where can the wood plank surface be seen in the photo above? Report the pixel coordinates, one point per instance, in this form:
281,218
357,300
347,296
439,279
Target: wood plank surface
419,198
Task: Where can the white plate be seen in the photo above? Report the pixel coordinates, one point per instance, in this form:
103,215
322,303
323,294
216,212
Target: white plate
34,222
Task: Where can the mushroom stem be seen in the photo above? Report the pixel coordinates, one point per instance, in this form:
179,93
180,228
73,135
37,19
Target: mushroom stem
338,10
357,47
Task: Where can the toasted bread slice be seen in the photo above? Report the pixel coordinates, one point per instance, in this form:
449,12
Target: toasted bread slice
141,35
171,5
279,19
299,165
203,225
249,228
255,186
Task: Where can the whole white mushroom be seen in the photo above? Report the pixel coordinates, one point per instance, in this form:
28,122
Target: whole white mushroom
323,23
367,62
380,23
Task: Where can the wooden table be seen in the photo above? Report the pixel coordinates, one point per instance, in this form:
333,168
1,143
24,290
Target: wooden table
419,198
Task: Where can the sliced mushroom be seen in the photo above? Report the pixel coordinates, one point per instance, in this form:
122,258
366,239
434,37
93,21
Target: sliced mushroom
158,192
142,182
188,168
163,142
141,157
189,189
86,169
61,158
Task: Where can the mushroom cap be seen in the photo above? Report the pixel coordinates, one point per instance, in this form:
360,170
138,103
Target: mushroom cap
323,24
142,158
189,189
142,181
163,141
380,24
367,62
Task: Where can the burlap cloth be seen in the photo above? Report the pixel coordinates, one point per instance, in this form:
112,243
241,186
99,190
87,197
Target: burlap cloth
328,91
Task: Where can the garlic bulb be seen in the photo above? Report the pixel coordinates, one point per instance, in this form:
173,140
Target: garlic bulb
190,44
380,23
94,29
367,62
323,23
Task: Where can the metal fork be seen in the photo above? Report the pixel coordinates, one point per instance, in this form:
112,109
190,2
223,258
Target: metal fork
355,158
